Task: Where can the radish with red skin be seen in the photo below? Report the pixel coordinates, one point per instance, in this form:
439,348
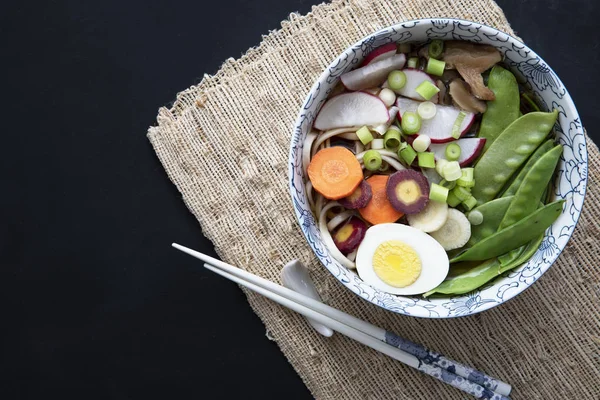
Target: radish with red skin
347,238
380,53
470,148
354,109
438,128
373,74
359,198
414,77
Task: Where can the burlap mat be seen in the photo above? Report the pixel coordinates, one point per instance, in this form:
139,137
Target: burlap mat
224,144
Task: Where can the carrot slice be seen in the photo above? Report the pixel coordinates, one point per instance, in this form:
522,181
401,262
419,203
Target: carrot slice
379,210
335,172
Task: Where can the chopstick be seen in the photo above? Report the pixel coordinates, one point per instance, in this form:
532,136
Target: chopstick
412,348
353,333
361,331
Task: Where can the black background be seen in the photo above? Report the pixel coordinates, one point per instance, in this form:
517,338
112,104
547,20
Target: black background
94,302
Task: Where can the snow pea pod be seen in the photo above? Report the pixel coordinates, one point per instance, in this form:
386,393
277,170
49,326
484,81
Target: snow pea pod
530,191
506,259
493,212
511,256
513,236
469,280
474,278
514,185
502,111
508,152
525,254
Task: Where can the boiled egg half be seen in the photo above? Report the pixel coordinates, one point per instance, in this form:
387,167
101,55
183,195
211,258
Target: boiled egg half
399,259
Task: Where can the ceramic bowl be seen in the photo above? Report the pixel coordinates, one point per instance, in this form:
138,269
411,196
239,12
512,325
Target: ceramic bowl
570,181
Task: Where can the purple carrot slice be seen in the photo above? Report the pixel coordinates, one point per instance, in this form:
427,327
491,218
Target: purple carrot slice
408,191
359,198
348,236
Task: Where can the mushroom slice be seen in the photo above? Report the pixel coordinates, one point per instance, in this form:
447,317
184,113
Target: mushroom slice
449,75
424,52
443,93
464,99
470,60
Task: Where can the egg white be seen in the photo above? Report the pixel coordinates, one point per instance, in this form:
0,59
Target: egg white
434,260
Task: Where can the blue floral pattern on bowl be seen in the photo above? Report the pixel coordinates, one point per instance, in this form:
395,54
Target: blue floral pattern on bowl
570,182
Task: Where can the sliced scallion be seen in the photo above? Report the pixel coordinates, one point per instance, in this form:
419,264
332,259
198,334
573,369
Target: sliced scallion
364,134
461,193
413,62
452,152
452,200
408,154
435,67
387,96
435,48
427,110
372,160
466,180
391,139
469,203
438,193
426,160
377,144
411,123
396,80
439,166
446,184
421,143
452,171
457,124
427,90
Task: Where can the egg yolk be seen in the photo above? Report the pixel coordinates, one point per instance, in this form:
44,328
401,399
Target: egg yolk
396,263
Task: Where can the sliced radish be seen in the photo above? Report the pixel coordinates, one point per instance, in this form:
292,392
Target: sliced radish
414,77
438,128
380,53
455,233
351,109
383,128
470,148
373,74
431,218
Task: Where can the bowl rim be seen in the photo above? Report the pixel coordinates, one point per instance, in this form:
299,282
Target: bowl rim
399,27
